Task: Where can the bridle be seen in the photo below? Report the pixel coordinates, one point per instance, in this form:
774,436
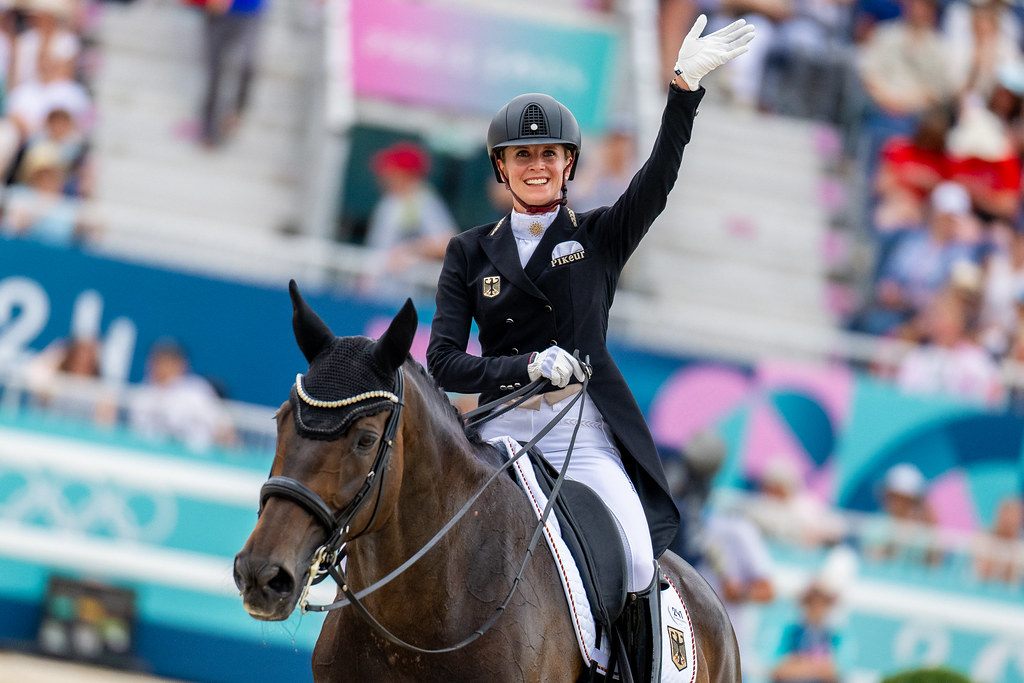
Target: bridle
338,524
328,558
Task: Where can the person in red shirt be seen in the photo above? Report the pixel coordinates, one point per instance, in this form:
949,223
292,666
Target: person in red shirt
985,161
909,169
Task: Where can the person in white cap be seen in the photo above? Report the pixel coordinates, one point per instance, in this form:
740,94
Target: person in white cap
920,264
786,511
905,531
810,645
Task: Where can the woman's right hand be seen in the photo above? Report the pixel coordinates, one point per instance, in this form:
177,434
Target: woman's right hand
555,363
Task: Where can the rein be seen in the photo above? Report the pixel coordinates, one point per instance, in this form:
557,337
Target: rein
328,558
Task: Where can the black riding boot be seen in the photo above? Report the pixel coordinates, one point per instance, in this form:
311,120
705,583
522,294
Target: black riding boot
639,627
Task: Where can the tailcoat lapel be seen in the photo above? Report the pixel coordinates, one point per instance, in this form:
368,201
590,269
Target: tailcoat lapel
500,247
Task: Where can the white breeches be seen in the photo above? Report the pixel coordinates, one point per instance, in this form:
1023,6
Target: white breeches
595,461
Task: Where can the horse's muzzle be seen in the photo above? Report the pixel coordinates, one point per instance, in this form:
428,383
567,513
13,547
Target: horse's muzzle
268,589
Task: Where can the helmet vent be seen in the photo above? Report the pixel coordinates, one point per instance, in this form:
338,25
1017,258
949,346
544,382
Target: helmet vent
534,124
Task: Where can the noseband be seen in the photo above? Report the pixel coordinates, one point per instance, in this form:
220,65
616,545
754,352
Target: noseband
338,525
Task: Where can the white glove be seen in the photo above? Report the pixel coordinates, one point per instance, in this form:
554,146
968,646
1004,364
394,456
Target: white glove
699,56
556,364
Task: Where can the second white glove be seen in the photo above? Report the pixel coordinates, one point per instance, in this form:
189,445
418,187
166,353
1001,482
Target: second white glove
556,364
698,55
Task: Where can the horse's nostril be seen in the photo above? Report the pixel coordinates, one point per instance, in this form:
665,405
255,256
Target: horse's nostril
281,583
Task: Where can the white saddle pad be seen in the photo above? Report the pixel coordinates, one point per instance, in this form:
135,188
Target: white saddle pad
678,651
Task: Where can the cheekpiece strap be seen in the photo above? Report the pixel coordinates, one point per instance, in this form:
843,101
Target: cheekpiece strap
342,402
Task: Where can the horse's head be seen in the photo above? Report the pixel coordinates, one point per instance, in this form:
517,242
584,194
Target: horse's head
328,481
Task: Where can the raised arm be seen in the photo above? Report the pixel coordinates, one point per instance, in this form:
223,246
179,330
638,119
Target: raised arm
623,226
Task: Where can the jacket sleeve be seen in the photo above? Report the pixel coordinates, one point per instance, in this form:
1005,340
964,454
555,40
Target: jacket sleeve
620,228
447,359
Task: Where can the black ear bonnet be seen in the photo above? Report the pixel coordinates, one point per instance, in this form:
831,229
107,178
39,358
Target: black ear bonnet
348,377
345,370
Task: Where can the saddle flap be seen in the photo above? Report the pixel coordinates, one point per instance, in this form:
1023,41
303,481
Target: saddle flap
592,535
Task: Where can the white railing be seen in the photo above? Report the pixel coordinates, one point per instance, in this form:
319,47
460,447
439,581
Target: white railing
886,548
252,427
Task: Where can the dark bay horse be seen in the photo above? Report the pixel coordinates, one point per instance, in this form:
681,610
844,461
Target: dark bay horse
432,470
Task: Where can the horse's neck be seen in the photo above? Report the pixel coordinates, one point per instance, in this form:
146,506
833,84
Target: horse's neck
440,472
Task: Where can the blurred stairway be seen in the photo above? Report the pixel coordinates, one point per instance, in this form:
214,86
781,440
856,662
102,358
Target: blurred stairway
739,262
158,189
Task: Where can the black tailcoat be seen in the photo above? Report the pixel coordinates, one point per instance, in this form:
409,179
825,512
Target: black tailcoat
562,302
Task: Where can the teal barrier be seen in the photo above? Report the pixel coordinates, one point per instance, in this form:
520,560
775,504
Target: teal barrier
164,523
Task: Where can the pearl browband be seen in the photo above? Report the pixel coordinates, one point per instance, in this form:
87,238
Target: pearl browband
340,403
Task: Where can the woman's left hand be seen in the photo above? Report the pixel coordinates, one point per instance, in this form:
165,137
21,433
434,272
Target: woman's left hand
698,55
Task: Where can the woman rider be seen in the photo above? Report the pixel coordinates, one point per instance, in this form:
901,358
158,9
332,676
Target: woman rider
541,280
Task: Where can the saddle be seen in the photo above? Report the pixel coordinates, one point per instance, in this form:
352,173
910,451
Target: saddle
592,536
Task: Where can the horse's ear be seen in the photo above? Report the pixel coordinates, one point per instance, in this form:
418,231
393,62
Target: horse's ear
311,333
393,346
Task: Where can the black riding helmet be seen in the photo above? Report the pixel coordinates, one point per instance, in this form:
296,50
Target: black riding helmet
533,119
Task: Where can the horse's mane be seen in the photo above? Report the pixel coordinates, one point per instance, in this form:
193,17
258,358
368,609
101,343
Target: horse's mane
472,434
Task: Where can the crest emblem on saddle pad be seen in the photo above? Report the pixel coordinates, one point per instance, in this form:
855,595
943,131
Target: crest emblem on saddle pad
492,286
678,645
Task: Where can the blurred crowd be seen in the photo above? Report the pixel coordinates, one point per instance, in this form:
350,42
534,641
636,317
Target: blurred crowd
47,116
172,405
733,543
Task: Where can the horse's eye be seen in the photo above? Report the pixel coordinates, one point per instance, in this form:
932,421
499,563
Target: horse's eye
366,441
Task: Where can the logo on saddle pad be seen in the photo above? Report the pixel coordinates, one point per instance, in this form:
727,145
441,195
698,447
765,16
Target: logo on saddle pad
677,643
492,286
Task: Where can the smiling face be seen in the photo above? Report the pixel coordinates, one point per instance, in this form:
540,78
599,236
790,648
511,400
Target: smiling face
535,173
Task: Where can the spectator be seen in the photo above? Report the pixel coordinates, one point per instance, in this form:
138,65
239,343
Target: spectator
977,55
1007,102
999,553
603,180
920,263
690,476
1003,283
230,26
176,405
784,511
809,64
54,379
675,17
766,16
37,208
904,532
909,169
809,647
8,32
30,102
739,568
903,69
951,363
47,38
985,161
410,224
61,131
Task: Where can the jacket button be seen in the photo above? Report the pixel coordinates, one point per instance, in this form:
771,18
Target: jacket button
554,342
517,385
548,308
515,351
509,321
